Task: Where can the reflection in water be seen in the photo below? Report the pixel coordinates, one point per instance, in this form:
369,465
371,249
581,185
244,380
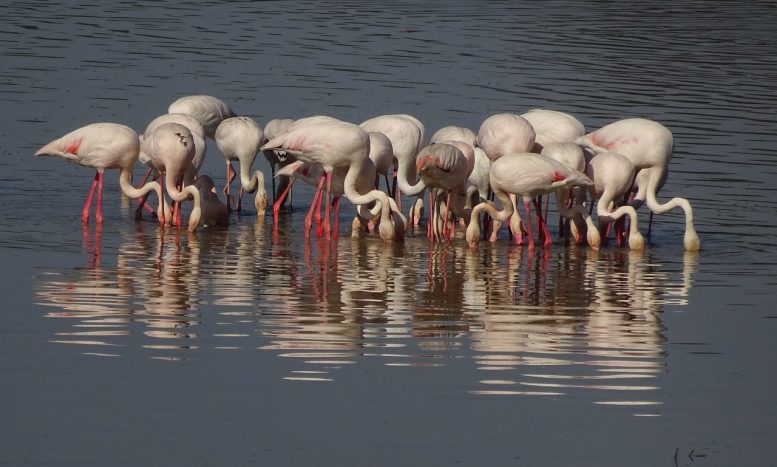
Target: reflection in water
546,322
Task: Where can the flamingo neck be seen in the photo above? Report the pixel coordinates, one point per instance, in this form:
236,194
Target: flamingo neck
405,173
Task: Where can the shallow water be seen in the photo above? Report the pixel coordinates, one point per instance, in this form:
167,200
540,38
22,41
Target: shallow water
129,345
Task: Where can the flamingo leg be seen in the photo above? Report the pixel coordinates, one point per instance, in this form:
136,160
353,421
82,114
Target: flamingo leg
142,202
240,199
336,203
99,213
163,220
327,226
231,174
531,227
545,232
276,208
85,212
313,205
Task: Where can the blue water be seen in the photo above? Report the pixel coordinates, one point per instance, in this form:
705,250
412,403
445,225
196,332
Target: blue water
127,345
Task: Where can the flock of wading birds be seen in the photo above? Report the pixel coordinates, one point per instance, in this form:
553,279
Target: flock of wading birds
622,165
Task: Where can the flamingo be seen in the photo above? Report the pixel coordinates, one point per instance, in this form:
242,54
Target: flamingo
613,175
573,156
333,143
276,158
527,175
214,212
171,149
239,139
200,148
503,134
311,174
407,136
648,145
444,169
208,110
104,146
553,126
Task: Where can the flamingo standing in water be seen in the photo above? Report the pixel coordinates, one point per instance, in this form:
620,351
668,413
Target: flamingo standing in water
613,175
208,110
407,136
104,146
171,149
528,175
200,148
444,169
648,145
553,126
573,156
239,139
276,158
503,134
333,143
214,212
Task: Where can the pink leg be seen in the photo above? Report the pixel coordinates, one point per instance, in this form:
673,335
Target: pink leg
542,224
85,212
231,174
336,202
162,220
327,227
276,209
531,227
313,206
99,214
142,202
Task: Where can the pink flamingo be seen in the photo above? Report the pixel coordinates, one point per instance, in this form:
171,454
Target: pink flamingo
552,126
528,175
407,136
276,158
444,169
214,212
208,110
333,143
613,175
503,134
171,149
104,146
239,139
200,148
648,145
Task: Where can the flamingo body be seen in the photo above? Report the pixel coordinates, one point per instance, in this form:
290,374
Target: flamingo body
503,134
208,110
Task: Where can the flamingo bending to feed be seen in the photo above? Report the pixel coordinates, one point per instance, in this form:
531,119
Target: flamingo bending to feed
276,158
573,156
208,110
553,126
407,136
613,175
528,175
200,148
214,212
444,169
171,150
333,143
503,134
104,146
648,145
239,139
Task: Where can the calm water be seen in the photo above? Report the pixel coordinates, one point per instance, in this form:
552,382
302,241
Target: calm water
125,345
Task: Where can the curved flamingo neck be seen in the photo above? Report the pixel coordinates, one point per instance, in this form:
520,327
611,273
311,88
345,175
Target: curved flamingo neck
405,172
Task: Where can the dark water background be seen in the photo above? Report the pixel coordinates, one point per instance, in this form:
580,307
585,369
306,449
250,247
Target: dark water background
129,346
